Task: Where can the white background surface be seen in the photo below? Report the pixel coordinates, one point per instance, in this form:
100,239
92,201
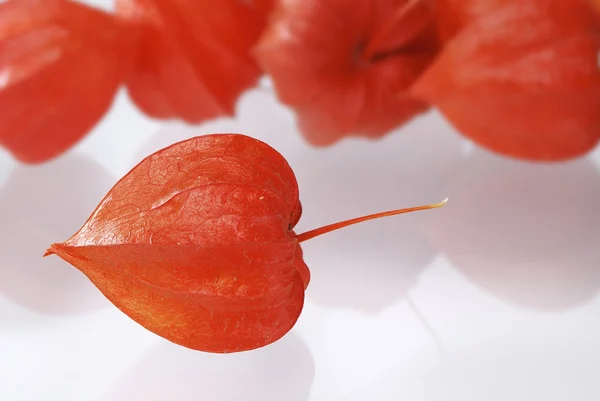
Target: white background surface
492,298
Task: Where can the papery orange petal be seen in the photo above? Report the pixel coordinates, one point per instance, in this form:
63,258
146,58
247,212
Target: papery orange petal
221,300
61,63
313,51
194,59
196,244
454,15
533,96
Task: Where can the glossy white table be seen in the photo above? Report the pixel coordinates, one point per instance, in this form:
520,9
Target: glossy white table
492,298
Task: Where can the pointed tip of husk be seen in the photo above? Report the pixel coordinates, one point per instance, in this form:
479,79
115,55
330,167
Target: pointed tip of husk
49,251
52,250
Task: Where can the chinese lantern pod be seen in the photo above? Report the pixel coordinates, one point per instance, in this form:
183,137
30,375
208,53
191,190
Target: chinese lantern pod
535,97
196,244
194,59
337,84
61,64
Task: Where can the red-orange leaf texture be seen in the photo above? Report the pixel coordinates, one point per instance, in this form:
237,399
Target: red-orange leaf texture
344,66
196,244
61,63
194,59
454,15
532,96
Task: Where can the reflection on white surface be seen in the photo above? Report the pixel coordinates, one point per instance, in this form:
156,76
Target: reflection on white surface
528,234
544,367
40,205
166,372
515,239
